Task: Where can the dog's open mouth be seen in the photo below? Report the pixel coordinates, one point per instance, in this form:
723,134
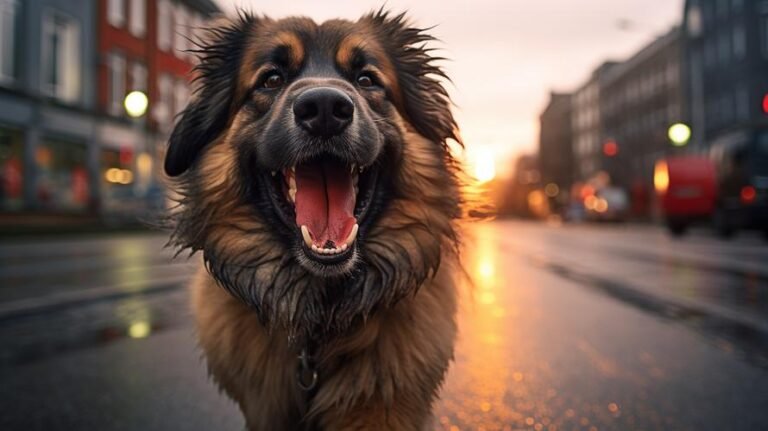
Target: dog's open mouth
325,200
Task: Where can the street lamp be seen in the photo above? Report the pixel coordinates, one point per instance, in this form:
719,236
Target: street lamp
679,134
136,103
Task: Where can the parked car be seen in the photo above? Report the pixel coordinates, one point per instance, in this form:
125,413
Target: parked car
686,188
741,160
608,203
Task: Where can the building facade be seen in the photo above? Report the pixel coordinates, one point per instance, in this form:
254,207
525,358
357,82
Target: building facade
726,55
67,147
641,99
143,46
556,146
587,124
48,141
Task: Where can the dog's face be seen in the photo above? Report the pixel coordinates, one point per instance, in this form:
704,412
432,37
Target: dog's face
313,165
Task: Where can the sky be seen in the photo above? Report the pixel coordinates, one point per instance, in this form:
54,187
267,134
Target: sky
506,55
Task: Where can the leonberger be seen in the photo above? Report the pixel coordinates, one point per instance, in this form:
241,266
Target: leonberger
315,175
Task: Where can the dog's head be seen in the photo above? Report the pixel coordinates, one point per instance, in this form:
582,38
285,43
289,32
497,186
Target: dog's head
313,166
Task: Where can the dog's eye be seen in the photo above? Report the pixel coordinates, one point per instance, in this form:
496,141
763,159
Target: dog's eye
365,81
274,80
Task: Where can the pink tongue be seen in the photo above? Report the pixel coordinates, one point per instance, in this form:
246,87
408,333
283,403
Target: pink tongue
325,202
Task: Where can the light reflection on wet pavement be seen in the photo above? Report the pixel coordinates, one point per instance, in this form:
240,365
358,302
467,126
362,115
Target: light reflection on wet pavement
564,329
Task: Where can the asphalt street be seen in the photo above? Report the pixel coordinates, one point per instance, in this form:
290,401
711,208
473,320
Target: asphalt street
610,327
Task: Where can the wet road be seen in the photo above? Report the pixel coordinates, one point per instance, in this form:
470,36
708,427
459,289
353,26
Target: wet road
566,328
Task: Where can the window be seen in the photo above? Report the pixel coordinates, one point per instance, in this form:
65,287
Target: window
764,33
739,42
195,33
695,26
11,169
138,15
117,74
180,31
164,25
61,57
138,77
163,110
116,12
722,8
181,94
62,181
116,177
710,52
8,10
724,49
726,107
742,104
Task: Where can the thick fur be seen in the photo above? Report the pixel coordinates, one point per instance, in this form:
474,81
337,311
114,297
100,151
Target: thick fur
382,332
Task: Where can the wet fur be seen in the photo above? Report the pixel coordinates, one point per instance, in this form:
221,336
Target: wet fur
382,334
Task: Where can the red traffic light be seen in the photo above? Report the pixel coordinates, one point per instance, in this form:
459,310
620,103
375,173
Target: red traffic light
765,104
610,148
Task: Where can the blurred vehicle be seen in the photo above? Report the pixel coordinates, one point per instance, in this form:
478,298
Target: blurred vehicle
686,187
608,203
741,160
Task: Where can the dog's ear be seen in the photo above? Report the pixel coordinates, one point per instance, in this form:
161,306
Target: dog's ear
219,51
424,101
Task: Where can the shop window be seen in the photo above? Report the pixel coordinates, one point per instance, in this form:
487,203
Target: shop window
11,169
117,177
62,180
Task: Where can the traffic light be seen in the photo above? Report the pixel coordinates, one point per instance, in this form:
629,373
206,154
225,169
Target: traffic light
765,104
610,148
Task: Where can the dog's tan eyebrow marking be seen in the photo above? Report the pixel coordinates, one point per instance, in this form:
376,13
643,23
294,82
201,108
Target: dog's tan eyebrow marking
291,42
378,61
347,50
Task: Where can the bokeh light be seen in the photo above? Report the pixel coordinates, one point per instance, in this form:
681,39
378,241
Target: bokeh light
136,103
484,163
679,134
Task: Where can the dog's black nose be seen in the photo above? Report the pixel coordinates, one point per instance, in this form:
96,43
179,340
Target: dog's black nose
323,112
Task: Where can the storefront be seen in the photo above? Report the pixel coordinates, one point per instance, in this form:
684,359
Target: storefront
62,180
11,169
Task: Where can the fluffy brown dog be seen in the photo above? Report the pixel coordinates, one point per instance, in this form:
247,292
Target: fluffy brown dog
315,176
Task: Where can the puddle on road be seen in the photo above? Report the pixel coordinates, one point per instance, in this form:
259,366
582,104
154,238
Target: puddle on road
31,338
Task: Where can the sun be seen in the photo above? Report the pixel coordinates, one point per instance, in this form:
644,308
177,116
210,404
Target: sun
484,164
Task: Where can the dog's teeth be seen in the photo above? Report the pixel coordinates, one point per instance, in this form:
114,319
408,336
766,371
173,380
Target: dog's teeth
344,247
273,173
305,235
314,248
292,188
361,169
352,235
352,169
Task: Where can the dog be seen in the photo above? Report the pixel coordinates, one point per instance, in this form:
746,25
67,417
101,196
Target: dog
313,171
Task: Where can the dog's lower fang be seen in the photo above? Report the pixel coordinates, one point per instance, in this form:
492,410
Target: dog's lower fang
352,236
305,235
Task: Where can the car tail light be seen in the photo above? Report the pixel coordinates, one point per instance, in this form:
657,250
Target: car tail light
661,177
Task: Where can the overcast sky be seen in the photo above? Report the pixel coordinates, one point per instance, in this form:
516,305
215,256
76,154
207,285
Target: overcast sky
506,55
